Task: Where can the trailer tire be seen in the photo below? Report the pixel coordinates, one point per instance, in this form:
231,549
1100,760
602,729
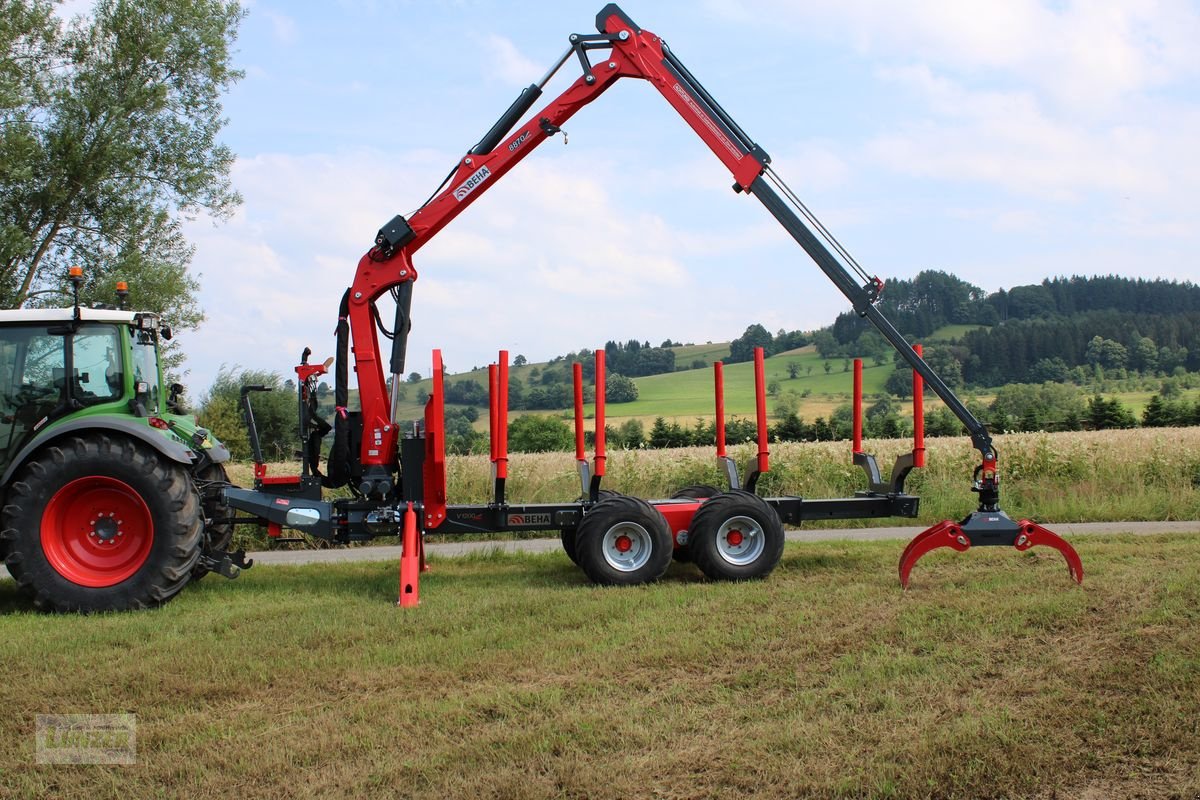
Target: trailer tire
624,541
217,536
736,536
698,491
101,523
569,535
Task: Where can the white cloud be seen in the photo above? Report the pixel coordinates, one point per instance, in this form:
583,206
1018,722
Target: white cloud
505,62
283,27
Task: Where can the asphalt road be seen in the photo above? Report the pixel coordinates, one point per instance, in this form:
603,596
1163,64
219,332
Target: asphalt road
392,552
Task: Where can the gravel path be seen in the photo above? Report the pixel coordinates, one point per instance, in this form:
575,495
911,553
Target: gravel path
392,552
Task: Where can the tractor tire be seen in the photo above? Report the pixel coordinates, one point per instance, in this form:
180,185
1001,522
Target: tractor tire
736,536
101,523
569,535
623,541
699,491
216,536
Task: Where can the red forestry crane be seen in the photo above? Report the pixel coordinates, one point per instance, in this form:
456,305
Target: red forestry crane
400,478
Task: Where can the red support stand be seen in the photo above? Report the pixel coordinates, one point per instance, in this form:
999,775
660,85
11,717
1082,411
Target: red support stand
412,560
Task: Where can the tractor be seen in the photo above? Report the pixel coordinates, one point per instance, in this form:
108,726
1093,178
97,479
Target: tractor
111,493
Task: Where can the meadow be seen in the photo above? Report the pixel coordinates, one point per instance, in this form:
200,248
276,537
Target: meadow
995,676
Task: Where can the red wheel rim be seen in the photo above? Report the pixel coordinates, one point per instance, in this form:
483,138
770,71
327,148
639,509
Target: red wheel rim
97,531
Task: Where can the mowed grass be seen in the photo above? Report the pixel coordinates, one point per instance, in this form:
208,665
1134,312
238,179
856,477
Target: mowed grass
995,676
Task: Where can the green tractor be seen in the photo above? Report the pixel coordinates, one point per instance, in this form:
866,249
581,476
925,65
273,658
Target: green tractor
111,495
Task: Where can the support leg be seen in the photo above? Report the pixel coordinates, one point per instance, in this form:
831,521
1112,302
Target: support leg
410,561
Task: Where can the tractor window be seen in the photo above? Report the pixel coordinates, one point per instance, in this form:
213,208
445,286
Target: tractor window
145,367
97,362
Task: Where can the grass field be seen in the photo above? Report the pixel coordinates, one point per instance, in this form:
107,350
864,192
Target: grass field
995,676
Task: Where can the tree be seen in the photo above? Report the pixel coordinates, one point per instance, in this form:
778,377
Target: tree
274,413
534,433
519,361
110,127
619,389
414,377
793,369
742,348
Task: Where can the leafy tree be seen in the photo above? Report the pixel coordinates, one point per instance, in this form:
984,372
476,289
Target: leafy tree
793,369
110,126
414,377
519,361
1106,353
534,433
742,348
274,413
620,389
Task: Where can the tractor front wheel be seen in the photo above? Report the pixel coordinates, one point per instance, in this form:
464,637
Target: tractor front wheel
101,523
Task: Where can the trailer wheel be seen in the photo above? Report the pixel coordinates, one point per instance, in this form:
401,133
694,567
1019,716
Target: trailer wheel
623,541
99,523
569,535
209,480
699,491
736,536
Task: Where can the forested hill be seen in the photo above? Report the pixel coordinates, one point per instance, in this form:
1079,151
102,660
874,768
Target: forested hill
1040,331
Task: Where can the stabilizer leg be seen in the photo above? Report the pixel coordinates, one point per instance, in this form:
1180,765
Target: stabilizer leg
411,558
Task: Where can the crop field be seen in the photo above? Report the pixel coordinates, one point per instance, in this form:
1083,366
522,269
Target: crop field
1090,476
994,676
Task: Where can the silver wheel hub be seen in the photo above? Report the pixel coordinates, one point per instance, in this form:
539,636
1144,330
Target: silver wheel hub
627,546
740,541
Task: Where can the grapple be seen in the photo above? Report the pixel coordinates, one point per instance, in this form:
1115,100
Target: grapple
987,529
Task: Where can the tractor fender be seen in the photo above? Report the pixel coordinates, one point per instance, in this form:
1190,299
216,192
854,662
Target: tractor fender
169,448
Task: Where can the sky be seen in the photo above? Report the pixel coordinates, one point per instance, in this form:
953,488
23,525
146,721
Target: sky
1005,142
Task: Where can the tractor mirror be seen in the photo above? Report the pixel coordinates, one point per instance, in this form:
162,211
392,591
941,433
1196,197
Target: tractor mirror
165,332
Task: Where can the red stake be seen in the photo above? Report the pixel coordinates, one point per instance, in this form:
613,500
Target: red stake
600,432
577,374
857,405
502,416
760,396
493,408
918,415
719,379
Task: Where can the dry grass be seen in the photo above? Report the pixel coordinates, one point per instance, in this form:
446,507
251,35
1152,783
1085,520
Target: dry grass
1141,474
994,677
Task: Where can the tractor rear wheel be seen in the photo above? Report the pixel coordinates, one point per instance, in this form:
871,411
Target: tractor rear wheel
101,523
623,541
736,536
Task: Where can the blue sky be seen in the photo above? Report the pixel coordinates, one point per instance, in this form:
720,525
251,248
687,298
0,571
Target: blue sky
1004,142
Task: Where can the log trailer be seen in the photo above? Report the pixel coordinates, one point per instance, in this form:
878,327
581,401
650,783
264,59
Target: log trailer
398,478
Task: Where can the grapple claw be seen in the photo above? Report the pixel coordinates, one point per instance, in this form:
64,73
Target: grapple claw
986,528
945,534
1033,534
